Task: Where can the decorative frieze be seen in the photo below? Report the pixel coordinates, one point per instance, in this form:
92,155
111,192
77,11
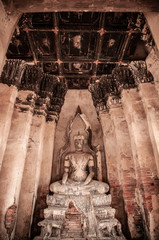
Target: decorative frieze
48,84
97,96
101,200
101,90
140,72
25,101
41,105
123,79
106,91
31,79
47,91
57,101
113,101
12,72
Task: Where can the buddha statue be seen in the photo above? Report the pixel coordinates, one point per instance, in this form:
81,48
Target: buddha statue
76,180
95,215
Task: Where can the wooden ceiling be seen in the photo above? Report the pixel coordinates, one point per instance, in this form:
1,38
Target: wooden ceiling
79,47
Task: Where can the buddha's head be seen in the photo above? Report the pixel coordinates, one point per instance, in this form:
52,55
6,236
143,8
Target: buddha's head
79,142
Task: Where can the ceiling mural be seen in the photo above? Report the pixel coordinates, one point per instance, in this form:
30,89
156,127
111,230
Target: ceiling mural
79,47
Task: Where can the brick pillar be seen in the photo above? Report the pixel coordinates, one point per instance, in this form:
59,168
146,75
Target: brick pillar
7,100
110,149
31,176
13,163
112,162
101,90
45,174
46,169
143,155
152,62
11,75
128,176
53,112
150,100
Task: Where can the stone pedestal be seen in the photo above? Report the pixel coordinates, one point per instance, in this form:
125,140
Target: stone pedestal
97,217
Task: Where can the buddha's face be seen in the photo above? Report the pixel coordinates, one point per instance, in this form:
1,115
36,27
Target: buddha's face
79,144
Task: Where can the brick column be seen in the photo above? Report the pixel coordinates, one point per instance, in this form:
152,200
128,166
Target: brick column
33,83
37,173
149,97
113,167
45,174
143,155
13,163
146,188
10,80
152,62
31,175
7,100
53,113
47,157
109,140
127,168
101,91
150,100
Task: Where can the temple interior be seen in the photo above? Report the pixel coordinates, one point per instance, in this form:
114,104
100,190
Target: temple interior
79,120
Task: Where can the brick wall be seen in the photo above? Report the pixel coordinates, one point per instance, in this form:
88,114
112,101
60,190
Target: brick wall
72,227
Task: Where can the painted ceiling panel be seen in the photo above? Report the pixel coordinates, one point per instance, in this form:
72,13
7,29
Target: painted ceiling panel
80,20
43,44
50,67
79,47
112,45
19,47
119,21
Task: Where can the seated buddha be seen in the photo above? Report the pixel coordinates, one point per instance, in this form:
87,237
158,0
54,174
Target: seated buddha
76,180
